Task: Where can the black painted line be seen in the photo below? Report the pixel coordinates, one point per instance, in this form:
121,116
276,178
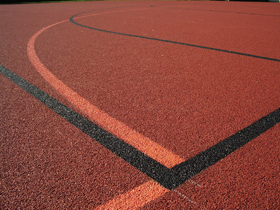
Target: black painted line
168,41
131,155
204,10
169,178
207,158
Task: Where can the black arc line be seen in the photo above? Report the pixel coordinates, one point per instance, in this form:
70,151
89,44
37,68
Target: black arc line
71,19
212,10
168,178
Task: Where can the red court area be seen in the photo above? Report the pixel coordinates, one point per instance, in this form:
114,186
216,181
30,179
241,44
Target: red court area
180,76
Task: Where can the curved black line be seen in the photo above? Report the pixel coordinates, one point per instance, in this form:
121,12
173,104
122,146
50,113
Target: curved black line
71,19
169,178
204,10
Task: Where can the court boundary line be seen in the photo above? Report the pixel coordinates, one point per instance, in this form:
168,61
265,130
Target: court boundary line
202,10
71,19
168,178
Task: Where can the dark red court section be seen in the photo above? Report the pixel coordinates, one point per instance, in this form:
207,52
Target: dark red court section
186,99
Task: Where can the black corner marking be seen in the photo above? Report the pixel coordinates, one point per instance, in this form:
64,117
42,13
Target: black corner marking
71,19
207,158
169,178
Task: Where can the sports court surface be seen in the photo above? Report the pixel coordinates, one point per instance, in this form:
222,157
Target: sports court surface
149,105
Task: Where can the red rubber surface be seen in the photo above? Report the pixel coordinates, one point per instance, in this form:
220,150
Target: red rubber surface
186,99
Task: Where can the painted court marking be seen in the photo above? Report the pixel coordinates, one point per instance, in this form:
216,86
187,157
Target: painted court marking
181,194
135,198
139,196
119,129
169,41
